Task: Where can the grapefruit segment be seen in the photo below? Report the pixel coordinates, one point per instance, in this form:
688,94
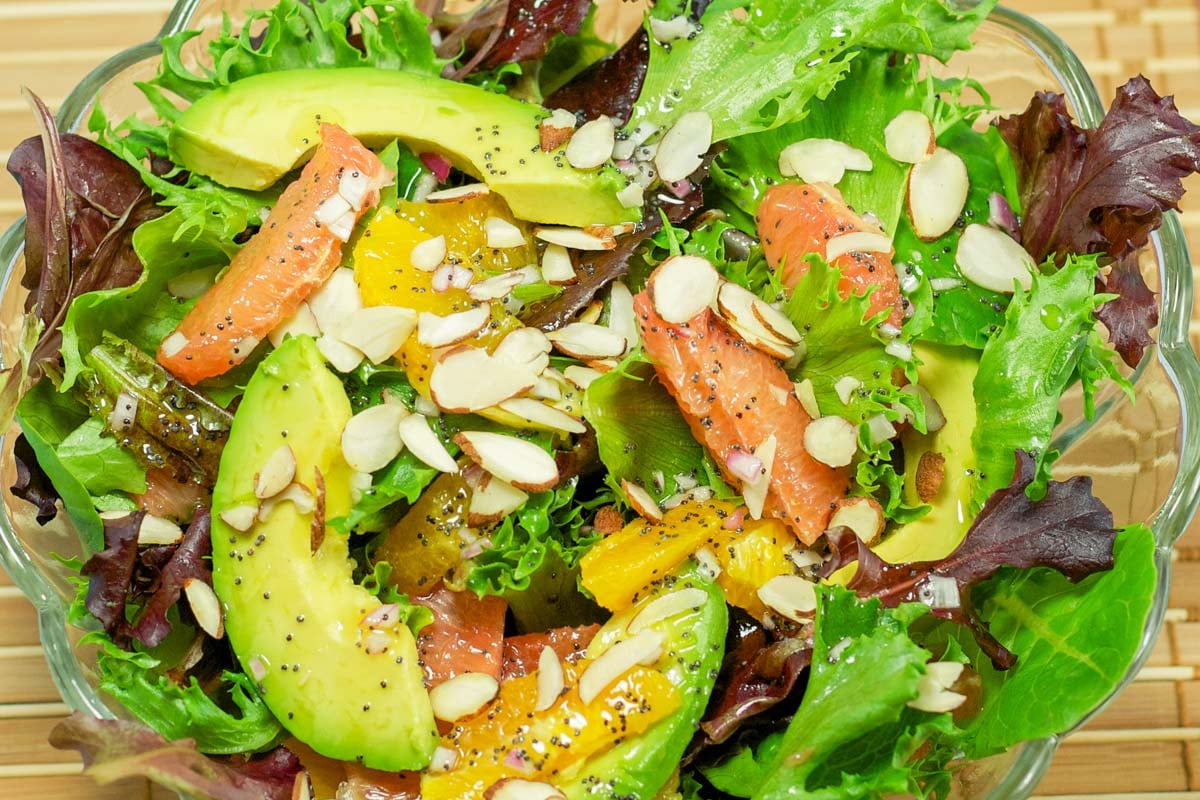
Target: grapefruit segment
290,256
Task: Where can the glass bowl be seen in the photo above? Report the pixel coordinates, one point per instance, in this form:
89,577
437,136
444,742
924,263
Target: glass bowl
1144,457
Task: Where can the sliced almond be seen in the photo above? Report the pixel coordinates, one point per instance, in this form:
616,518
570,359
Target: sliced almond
933,688
789,595
683,146
807,396
378,332
555,130
340,355
632,196
641,501
296,493
745,310
468,379
371,438
300,787
757,336
493,500
880,428
708,562
173,344
496,287
457,193
502,234
668,605
517,461
845,387
240,518
908,138
574,238
527,346
857,242
862,515
548,387
682,287
336,301
556,265
582,377
935,418
301,323
550,680
755,491
627,143
644,648
191,284
444,759
621,316
937,192
591,314
158,530
439,331
592,144
538,413
521,789
206,608
423,443
275,475
429,254
831,440
587,341
673,29
462,695
989,257
822,160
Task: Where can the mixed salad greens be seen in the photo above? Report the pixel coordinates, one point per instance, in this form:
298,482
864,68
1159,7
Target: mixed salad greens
459,405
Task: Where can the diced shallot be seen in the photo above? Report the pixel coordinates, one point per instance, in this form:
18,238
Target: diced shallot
437,164
743,465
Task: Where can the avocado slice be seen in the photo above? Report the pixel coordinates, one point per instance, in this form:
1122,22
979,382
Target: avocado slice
694,648
249,134
293,614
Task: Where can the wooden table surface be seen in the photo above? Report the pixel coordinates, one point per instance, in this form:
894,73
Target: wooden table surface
1146,745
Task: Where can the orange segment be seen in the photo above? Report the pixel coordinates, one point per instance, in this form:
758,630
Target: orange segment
795,220
752,557
510,740
290,256
424,547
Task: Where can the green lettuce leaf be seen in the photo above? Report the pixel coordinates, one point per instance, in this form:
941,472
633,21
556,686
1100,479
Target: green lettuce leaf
99,462
1048,341
762,71
1074,643
402,480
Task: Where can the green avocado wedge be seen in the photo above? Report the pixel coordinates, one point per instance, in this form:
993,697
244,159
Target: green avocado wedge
251,133
348,687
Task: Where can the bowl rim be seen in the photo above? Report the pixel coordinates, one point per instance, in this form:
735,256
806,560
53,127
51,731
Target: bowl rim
1173,348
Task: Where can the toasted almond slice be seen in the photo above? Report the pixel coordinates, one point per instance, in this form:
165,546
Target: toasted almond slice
822,160
467,379
628,143
502,234
174,343
423,443
191,284
776,322
592,144
340,355
845,387
670,30
550,680
591,314
574,238
880,428
429,254
300,788
989,257
644,648
857,242
908,138
158,530
555,130
444,759
683,146
524,346
542,415
206,608
296,493
862,515
463,695
371,438
517,461
240,518
641,501
465,192
935,418
336,301
438,331
493,500
755,491
708,562
302,323
379,331
585,341
683,286
632,196
746,311
937,192
521,789
807,396
789,595
668,605
582,377
496,287
548,387
556,265
621,316
275,475
831,440
937,702
757,336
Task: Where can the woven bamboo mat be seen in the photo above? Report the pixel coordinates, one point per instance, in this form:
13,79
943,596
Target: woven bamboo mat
1145,746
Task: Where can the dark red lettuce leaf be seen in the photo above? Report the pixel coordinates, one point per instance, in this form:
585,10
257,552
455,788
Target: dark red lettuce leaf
530,25
1068,530
610,86
32,484
113,750
1133,313
189,560
110,572
1103,190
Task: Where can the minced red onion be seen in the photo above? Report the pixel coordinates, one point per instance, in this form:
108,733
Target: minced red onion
460,277
1000,214
743,465
476,547
442,278
437,164
382,617
515,759
258,670
376,642
734,520
681,189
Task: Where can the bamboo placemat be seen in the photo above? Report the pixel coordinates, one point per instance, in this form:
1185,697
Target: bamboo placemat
1145,746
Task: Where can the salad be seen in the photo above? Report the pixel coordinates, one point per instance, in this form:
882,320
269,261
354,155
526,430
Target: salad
465,405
